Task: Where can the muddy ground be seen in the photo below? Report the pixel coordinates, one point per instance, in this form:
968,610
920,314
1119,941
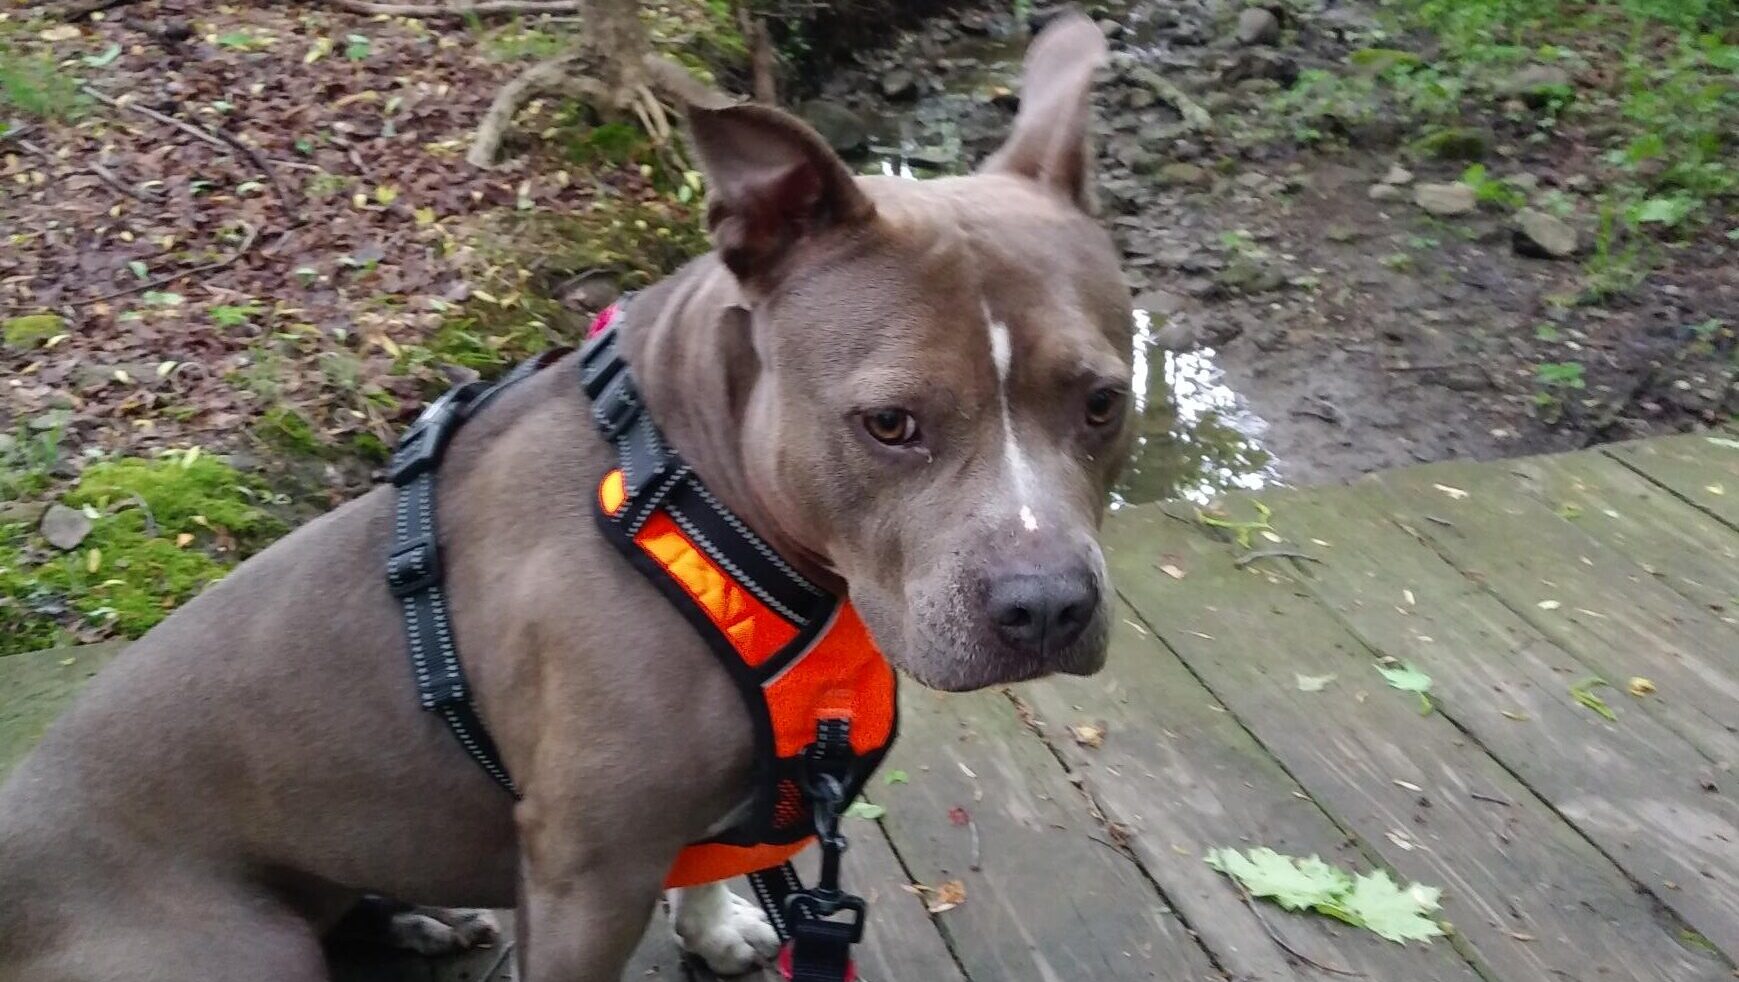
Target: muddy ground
1308,325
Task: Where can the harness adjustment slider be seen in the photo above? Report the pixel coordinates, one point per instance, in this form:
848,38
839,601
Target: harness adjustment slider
421,446
413,567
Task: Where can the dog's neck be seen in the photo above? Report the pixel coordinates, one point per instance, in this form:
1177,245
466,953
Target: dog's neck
687,340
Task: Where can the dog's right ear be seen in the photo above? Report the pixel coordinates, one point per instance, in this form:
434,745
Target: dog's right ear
773,182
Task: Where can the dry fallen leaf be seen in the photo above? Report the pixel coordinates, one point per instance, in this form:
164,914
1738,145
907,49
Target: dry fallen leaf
1455,493
182,540
1088,735
1549,605
1639,686
1172,571
947,897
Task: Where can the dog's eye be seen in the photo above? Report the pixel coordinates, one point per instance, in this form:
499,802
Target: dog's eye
894,427
1102,406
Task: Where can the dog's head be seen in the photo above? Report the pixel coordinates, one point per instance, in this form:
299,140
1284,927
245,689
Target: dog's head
939,397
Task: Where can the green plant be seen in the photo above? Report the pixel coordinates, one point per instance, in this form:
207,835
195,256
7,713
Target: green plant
1492,191
35,85
1560,375
26,458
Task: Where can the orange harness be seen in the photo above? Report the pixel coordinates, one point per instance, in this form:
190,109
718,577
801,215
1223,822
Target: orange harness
800,656
819,694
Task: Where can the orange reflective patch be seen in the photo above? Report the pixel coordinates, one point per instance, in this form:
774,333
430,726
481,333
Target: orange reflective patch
613,492
710,862
844,675
751,626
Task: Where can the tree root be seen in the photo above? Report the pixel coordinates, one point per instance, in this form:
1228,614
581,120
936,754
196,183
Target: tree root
482,8
559,74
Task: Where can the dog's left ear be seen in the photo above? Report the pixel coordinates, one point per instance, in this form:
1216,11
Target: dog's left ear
1050,139
774,182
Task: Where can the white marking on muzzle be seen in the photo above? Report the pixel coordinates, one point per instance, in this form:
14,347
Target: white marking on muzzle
1020,472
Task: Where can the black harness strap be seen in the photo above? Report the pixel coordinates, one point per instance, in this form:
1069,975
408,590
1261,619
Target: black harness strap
413,567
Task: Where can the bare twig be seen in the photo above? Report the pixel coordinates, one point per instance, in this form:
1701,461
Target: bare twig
75,9
198,133
167,278
108,177
1494,799
977,850
1252,556
762,64
1275,937
150,519
458,11
291,212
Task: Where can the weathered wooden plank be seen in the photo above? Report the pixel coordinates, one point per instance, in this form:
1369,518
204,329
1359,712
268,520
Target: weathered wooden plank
1633,787
1590,599
1696,467
1684,548
1182,776
1047,902
901,942
36,686
1528,895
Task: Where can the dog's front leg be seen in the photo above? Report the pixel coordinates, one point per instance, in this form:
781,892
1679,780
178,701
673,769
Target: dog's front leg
580,921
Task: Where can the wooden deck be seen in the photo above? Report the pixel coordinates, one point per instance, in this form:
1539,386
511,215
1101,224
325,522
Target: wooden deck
1568,846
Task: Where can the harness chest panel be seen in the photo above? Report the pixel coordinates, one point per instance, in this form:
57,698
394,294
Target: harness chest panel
800,656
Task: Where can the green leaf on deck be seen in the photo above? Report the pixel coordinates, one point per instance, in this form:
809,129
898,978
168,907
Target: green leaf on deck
1583,692
1400,915
1312,683
895,777
1372,900
1294,884
866,810
1409,679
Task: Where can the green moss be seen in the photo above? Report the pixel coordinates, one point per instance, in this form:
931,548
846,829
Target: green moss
31,330
165,529
639,241
1454,143
35,85
286,428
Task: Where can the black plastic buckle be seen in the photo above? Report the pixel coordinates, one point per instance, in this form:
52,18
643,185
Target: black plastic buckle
811,907
420,448
617,407
413,567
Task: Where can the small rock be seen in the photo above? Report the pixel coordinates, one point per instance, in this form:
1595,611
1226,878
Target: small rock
1160,303
899,85
1543,236
1258,25
1188,175
1445,200
1111,29
1539,86
1176,334
1384,192
1398,175
1260,63
64,527
590,291
844,130
21,512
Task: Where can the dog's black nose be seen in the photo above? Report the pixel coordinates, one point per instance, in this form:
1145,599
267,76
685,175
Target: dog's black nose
1042,614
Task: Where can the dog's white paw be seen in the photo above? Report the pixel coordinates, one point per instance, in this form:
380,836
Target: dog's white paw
722,929
440,931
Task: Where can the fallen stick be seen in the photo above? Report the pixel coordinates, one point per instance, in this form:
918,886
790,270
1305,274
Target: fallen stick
485,8
1275,937
198,133
1250,557
168,278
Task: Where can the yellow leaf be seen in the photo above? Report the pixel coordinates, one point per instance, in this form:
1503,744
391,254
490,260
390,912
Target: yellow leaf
318,50
67,661
1088,735
61,32
202,521
425,216
359,200
386,194
183,539
1639,686
93,560
391,346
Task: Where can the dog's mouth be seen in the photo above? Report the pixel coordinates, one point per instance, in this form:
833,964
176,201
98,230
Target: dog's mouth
986,664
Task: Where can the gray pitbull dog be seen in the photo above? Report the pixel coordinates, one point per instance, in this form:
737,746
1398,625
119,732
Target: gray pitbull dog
914,390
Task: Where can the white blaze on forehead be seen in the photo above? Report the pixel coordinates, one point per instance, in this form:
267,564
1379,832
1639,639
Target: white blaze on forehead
1014,459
